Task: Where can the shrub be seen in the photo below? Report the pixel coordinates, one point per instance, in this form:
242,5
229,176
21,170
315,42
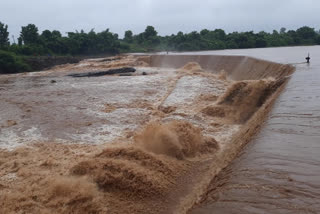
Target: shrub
11,63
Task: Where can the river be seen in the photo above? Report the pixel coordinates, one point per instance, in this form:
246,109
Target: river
278,172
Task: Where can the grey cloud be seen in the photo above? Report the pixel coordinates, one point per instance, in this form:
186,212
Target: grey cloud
167,16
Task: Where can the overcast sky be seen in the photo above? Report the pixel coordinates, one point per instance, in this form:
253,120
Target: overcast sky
167,16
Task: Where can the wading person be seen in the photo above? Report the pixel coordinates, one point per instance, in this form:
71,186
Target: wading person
308,58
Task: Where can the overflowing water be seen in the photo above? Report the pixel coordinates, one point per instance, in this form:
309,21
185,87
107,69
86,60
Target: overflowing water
279,170
151,142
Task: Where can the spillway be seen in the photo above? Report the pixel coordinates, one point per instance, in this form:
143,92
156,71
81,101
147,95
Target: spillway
139,142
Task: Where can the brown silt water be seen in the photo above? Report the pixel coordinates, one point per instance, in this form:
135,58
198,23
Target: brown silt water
278,172
210,132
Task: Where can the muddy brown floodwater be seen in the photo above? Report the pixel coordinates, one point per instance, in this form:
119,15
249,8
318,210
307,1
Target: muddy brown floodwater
161,140
279,171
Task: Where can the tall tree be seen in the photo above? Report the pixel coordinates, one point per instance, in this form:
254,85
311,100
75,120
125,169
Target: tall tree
128,36
29,34
306,32
283,30
4,36
56,34
46,35
150,32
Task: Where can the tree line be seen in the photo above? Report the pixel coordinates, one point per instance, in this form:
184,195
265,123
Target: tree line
32,42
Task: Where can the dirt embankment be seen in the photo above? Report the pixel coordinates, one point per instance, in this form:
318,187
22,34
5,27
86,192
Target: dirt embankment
43,63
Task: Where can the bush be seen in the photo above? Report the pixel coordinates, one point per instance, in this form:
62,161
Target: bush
10,63
29,50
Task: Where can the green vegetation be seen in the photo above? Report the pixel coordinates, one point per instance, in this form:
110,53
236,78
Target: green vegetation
48,43
10,63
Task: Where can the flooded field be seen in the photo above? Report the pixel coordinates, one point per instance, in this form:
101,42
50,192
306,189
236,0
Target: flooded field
137,143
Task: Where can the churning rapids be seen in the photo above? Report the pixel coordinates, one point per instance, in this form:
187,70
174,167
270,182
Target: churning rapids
161,139
279,171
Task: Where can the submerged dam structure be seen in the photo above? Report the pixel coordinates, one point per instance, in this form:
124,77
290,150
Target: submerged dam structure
237,67
154,141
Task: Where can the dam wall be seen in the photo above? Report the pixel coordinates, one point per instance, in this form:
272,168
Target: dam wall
237,67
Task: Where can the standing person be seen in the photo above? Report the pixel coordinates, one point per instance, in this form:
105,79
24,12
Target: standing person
308,58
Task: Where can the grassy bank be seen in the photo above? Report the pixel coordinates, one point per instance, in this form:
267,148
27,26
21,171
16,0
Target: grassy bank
11,63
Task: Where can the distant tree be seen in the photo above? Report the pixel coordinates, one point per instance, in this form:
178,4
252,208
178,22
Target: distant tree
56,34
220,34
180,37
139,38
20,41
29,34
106,42
52,41
294,36
148,38
283,30
261,41
128,36
194,35
4,36
242,40
204,32
150,32
46,35
306,32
